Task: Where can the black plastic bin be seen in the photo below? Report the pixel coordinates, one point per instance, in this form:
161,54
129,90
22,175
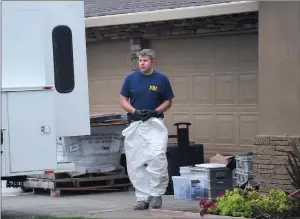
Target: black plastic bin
177,157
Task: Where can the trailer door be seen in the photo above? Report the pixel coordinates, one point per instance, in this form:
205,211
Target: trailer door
45,44
69,63
31,131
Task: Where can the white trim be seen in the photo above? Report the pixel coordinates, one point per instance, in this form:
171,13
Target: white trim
172,14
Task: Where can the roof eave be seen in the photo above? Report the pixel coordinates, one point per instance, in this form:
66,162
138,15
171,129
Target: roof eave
173,14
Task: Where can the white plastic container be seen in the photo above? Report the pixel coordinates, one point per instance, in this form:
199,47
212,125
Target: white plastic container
188,187
210,165
185,171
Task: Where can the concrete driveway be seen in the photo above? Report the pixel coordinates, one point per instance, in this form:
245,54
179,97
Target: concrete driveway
96,205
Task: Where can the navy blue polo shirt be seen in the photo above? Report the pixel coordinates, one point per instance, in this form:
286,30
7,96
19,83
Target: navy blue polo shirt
147,91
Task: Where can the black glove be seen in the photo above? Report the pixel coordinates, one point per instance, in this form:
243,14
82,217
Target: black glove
147,114
138,115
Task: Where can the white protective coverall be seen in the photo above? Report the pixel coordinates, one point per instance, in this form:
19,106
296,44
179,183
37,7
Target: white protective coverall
146,143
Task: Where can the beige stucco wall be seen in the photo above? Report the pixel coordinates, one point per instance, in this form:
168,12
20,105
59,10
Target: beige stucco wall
279,68
278,90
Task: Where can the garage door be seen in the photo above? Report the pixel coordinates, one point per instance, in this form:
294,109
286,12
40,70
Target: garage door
215,83
108,63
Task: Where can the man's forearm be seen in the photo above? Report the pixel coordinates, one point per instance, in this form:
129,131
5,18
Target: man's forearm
164,106
126,105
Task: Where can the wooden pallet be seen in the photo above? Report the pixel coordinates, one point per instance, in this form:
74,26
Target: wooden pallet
60,182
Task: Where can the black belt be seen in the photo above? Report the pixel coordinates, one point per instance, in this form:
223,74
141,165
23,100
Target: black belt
131,117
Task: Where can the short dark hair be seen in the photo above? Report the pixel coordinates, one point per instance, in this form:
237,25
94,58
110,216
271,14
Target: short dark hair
147,52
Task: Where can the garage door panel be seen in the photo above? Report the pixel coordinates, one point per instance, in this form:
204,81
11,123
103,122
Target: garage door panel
101,61
248,87
188,45
225,129
179,71
227,55
182,89
226,50
96,90
248,128
204,128
225,89
114,92
179,58
214,79
248,51
96,72
216,91
196,109
203,89
168,121
109,53
205,55
108,64
101,87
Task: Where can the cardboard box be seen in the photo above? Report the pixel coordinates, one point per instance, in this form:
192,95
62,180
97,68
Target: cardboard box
220,159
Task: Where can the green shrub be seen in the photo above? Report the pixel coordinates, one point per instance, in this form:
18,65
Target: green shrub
251,203
237,203
274,202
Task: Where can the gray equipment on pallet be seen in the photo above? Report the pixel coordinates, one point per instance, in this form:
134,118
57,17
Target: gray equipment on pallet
100,152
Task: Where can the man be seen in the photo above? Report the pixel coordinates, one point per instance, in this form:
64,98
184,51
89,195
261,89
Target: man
146,94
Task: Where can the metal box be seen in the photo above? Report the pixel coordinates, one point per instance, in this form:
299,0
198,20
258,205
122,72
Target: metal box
243,177
214,176
217,178
244,163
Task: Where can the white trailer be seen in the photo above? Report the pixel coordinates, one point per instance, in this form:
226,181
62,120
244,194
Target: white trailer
44,84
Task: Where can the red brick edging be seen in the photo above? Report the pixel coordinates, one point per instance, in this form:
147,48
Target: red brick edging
182,214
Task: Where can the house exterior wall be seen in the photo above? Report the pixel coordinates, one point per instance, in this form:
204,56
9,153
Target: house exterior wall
140,35
279,89
211,63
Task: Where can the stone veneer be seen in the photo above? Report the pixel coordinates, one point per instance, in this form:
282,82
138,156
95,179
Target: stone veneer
269,163
232,23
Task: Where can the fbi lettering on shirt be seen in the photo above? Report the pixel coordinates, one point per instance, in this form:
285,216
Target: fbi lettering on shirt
153,88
